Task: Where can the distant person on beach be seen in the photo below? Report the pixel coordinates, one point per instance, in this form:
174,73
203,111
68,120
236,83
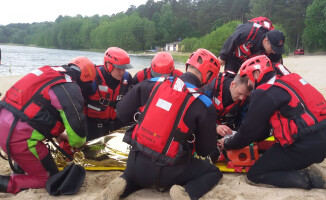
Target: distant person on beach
248,40
297,112
162,65
111,84
40,105
174,121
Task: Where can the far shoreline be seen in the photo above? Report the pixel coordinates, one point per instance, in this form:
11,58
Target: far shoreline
177,56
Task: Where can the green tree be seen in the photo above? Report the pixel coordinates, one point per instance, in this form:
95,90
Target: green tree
160,22
68,30
214,41
190,44
6,33
238,10
84,32
260,8
19,37
98,37
207,14
315,31
149,34
131,10
182,28
149,9
158,28
289,13
166,23
124,31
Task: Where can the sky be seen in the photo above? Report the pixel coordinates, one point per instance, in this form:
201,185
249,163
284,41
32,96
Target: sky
29,11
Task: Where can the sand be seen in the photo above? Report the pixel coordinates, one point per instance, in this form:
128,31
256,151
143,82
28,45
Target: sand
232,187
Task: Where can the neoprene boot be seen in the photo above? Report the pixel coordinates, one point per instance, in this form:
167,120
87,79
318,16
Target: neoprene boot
113,190
178,192
317,176
18,170
130,188
4,180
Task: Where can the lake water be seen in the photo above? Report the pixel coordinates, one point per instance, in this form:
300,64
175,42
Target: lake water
20,60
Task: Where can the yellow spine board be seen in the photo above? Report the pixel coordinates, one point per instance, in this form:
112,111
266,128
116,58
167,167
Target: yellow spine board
221,165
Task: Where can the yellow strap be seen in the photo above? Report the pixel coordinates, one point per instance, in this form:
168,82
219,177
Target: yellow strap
221,165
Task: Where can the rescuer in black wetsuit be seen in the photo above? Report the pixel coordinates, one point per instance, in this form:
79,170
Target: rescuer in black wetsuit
248,41
281,102
145,171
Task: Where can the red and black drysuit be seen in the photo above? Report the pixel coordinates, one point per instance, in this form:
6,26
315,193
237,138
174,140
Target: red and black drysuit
233,50
146,74
143,170
228,111
42,104
100,106
289,113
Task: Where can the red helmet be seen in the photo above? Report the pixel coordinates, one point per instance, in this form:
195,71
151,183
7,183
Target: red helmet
205,61
261,63
85,66
116,57
163,63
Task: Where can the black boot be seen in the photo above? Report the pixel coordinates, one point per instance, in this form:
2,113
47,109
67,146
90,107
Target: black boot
317,176
4,180
18,169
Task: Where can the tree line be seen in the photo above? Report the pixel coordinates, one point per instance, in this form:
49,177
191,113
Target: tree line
196,23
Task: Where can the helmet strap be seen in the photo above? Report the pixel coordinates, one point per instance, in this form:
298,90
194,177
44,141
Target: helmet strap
107,67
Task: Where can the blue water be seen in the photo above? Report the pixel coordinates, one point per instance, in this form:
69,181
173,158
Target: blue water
20,60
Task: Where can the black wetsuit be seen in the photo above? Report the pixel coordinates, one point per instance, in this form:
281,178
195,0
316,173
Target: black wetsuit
211,90
279,166
198,176
239,36
233,117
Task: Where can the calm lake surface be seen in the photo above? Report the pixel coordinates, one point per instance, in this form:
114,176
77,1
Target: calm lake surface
20,60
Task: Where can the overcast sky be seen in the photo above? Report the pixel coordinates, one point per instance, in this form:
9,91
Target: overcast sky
29,11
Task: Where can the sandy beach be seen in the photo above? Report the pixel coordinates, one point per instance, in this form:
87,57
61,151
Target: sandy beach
232,187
